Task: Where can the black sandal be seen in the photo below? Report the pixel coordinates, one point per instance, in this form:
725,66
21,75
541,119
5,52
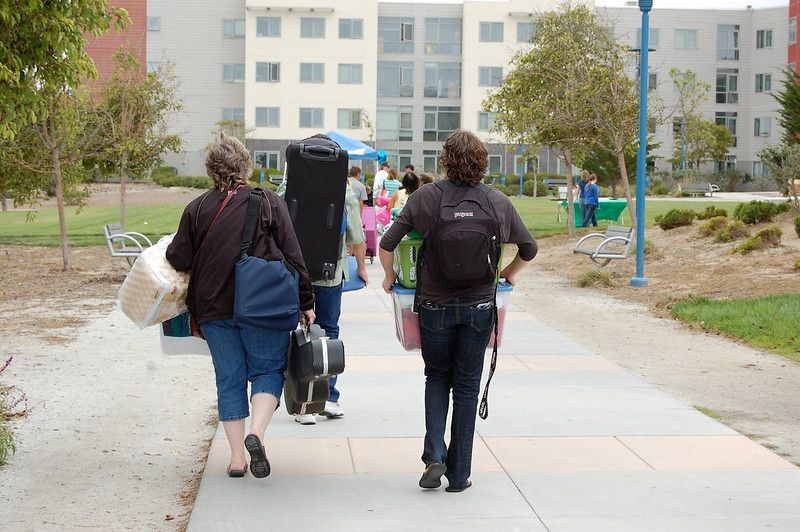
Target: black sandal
237,473
431,478
259,465
451,489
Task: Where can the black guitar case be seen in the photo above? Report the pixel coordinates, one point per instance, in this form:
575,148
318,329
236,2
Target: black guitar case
316,180
313,358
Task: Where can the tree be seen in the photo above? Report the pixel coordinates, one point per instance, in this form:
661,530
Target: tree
783,164
42,45
232,128
705,141
692,91
52,150
591,104
134,110
789,99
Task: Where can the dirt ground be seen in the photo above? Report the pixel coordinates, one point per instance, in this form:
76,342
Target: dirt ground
46,315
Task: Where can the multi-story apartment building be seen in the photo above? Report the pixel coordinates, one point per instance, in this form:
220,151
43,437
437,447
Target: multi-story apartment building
404,76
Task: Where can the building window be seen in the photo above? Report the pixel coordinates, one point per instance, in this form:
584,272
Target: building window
394,123
728,42
430,161
652,81
727,85
764,39
495,165
443,36
153,23
729,121
312,116
398,158
396,35
442,80
348,118
153,66
491,32
233,28
763,82
350,74
312,28
267,71
267,159
440,122
233,73
268,117
792,30
762,126
525,31
729,163
485,121
233,113
396,78
490,76
655,37
351,28
268,26
686,39
760,170
312,72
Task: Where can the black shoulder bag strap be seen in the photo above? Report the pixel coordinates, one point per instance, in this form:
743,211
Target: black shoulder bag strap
483,410
253,210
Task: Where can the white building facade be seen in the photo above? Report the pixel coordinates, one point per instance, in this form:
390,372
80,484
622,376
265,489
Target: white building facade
403,76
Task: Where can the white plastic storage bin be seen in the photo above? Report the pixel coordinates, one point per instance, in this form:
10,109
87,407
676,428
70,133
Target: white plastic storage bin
407,322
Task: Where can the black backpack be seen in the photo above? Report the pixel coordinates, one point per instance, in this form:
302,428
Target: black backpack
463,249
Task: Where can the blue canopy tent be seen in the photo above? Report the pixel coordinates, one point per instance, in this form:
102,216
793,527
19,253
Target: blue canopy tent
356,149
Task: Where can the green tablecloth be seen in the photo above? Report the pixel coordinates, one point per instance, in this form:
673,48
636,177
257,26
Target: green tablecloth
609,209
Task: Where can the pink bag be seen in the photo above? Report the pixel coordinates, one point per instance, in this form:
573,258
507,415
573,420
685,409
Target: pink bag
383,216
383,200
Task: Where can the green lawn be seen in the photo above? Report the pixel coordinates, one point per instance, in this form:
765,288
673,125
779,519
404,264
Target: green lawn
86,228
766,322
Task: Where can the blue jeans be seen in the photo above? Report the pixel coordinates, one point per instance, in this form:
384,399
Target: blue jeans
242,353
589,216
454,339
328,308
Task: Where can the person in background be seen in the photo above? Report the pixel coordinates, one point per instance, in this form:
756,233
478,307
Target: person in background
579,191
369,201
358,186
380,177
408,168
391,184
207,244
399,198
455,322
592,198
425,179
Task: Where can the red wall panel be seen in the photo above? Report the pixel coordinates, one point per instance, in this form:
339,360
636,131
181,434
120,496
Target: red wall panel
134,36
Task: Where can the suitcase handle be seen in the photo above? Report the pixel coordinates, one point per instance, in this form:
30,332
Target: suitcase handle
319,153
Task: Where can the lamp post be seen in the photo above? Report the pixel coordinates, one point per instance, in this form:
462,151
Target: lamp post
641,158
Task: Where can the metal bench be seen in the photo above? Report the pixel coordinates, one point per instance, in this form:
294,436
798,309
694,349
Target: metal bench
128,244
698,189
615,244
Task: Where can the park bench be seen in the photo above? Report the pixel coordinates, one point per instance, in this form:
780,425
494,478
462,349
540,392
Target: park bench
128,244
615,244
698,189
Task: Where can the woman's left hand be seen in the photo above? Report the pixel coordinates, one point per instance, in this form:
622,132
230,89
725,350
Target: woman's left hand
307,317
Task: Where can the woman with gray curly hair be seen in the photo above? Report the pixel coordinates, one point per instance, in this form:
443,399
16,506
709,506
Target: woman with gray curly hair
207,244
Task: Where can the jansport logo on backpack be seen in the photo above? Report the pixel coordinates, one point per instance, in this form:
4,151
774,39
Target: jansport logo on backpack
463,248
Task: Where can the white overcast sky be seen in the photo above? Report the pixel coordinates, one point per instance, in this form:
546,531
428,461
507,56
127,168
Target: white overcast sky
664,4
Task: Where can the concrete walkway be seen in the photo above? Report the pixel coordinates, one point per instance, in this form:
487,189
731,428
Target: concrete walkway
573,442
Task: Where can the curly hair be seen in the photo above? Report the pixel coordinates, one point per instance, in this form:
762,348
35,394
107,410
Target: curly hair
464,157
228,163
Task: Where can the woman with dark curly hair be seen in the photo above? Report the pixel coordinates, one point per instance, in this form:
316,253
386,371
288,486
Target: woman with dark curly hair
208,244
456,297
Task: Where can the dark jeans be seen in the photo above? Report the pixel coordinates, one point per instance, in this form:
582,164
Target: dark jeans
589,216
582,204
328,308
454,339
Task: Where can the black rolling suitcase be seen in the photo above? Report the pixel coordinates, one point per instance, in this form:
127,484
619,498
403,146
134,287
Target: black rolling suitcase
313,358
316,180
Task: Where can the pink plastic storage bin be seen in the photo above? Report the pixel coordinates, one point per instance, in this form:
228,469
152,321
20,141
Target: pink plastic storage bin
407,323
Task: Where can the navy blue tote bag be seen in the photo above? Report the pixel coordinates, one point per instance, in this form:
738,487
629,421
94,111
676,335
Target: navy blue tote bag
266,292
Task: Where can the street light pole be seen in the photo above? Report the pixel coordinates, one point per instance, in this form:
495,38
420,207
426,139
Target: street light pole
641,158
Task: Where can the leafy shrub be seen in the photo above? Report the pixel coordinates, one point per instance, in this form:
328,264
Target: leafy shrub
764,239
7,406
256,175
508,190
594,278
797,264
675,218
650,249
734,231
712,212
511,179
658,189
164,171
713,225
757,212
183,181
797,225
541,188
